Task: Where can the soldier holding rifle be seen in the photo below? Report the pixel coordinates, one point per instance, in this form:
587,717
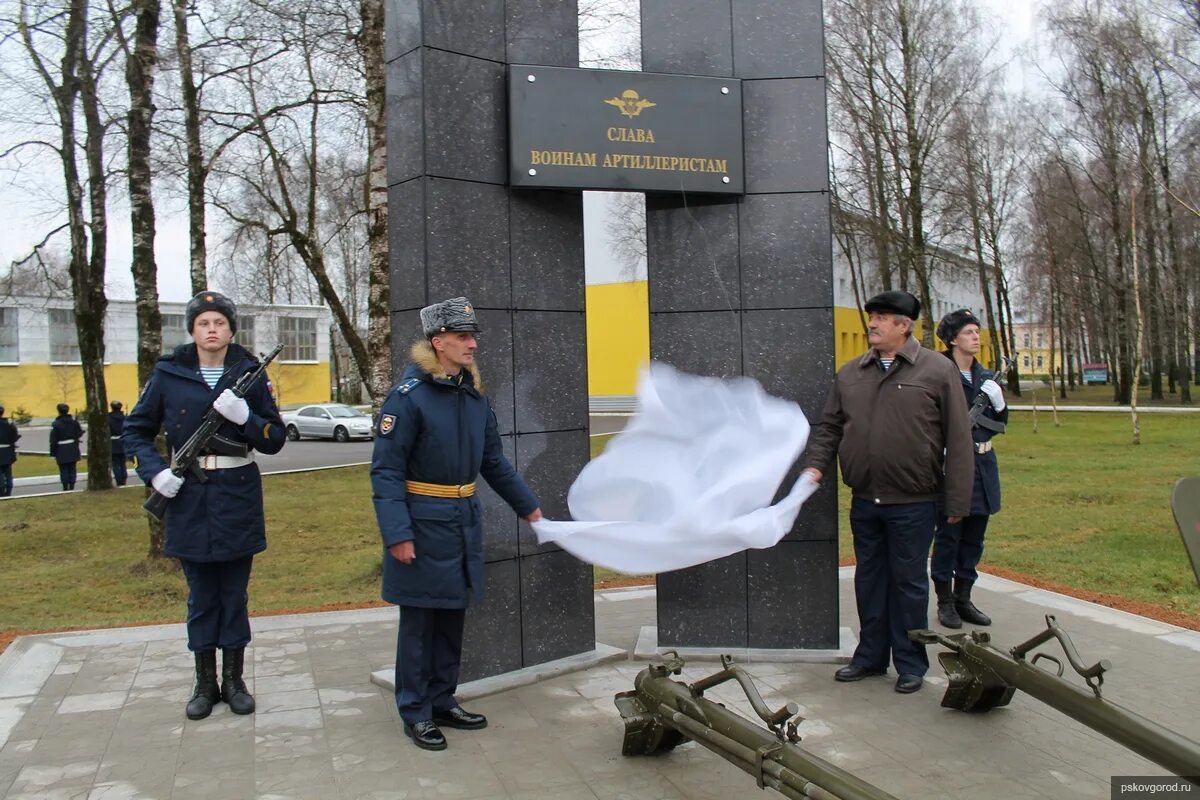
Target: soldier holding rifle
958,546
213,526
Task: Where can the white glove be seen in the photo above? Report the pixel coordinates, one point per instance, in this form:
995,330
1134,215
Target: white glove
166,483
232,407
995,395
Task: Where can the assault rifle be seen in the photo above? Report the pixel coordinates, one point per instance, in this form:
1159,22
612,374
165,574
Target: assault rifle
187,458
975,414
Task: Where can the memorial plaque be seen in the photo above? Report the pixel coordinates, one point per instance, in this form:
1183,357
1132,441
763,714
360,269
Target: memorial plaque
624,131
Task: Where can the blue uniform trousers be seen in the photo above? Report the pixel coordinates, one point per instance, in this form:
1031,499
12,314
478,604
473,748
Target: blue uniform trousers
66,474
891,585
120,473
428,655
217,615
958,548
6,480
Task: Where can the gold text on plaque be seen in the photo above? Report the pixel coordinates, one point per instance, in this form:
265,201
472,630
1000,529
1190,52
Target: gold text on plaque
630,104
640,135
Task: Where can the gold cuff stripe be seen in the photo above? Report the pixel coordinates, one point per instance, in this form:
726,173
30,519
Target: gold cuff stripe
440,489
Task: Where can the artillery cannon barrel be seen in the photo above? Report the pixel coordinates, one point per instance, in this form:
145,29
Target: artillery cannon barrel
1165,747
781,765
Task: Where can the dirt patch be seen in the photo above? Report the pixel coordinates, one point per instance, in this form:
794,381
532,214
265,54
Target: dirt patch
628,580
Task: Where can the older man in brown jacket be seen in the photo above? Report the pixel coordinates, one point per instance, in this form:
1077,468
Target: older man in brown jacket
896,420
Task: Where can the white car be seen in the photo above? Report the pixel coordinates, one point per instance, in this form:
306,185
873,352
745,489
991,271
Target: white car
328,421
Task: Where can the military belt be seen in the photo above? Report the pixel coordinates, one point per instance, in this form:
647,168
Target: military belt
440,489
983,447
211,462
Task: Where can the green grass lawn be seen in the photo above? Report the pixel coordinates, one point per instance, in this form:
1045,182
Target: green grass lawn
1083,508
29,466
1095,396
75,560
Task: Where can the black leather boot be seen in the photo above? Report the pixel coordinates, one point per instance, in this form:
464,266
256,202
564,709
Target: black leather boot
207,694
233,688
966,609
947,613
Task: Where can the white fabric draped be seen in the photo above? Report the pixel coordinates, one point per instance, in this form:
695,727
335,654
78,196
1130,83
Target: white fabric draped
690,479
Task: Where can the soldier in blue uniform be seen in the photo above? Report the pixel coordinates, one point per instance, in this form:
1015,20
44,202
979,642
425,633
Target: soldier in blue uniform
116,426
436,434
958,547
214,527
8,453
65,433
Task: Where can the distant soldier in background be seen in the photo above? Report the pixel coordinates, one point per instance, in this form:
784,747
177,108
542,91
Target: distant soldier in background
8,453
65,433
116,426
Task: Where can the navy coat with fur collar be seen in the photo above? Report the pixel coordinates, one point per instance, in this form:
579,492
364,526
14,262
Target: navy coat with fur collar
222,519
435,428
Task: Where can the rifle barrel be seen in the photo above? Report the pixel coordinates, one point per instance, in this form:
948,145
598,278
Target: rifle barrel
1152,741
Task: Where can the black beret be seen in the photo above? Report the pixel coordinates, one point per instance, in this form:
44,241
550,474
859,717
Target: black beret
895,302
211,301
955,321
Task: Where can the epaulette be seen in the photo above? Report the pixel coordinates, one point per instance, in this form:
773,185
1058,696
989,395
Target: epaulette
408,385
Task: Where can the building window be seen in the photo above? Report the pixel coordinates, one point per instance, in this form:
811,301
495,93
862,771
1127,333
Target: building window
1039,362
1026,362
64,339
1027,343
245,332
9,338
1041,340
298,335
174,332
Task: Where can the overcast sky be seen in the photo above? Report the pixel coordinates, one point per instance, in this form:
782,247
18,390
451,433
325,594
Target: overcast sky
29,205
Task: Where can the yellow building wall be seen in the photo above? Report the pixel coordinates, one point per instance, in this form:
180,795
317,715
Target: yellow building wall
38,388
297,384
618,336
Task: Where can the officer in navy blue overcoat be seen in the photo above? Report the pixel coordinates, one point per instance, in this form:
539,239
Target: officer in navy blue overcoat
957,548
436,434
65,433
8,453
214,527
116,427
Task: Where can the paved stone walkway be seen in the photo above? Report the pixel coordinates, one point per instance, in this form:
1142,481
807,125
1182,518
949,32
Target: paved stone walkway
99,716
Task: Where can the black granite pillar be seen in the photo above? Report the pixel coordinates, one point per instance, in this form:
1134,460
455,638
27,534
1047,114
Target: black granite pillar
744,287
457,229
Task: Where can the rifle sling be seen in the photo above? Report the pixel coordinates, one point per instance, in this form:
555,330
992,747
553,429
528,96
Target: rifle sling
989,424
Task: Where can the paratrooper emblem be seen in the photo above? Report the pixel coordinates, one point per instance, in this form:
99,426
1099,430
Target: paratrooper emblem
630,104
